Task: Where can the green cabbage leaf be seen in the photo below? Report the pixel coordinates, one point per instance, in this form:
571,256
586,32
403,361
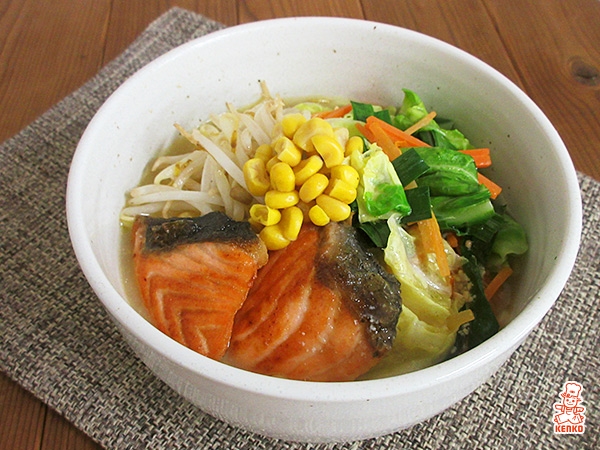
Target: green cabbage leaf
380,192
423,335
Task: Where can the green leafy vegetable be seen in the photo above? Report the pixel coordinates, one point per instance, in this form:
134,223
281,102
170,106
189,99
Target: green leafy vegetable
409,166
509,240
411,111
449,186
495,240
420,204
454,212
349,124
485,231
451,172
485,324
440,137
361,111
377,231
385,197
380,192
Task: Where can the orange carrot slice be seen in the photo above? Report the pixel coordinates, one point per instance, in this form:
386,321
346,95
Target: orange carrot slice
396,134
497,281
385,142
493,187
452,239
334,113
481,156
365,132
420,123
431,236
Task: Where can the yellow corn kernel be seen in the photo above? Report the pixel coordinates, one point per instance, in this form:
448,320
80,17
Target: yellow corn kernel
318,216
313,187
287,151
307,168
264,152
270,163
291,122
264,215
329,148
341,191
273,237
282,177
354,143
256,177
347,174
280,200
312,127
291,222
335,209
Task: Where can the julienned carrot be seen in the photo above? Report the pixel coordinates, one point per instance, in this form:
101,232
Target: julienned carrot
396,134
431,237
451,239
385,142
334,113
481,156
420,123
492,187
497,281
365,132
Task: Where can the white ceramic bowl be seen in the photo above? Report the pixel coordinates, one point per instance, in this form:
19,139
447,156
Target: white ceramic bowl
363,61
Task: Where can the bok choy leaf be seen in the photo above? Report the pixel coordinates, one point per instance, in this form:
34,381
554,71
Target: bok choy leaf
450,172
464,210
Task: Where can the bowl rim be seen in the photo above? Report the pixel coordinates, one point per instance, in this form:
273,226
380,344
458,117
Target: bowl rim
504,341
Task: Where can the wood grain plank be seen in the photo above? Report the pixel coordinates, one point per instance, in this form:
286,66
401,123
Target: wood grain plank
21,417
253,10
555,47
37,67
60,434
130,17
446,21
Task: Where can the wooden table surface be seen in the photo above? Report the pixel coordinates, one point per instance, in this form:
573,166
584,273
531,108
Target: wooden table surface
48,48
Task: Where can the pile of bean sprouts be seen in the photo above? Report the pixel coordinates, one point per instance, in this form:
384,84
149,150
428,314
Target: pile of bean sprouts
210,177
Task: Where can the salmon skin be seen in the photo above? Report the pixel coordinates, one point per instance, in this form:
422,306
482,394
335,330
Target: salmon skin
322,309
194,274
344,265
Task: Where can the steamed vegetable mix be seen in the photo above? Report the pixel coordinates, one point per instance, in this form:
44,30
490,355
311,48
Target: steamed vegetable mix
451,250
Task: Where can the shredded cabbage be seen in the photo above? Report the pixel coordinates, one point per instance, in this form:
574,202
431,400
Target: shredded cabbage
380,192
425,335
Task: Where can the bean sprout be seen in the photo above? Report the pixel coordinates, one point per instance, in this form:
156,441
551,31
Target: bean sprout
209,178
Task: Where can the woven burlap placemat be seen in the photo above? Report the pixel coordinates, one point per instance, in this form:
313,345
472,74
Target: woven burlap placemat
58,342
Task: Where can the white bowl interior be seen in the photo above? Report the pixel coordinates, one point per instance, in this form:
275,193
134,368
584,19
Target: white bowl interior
331,57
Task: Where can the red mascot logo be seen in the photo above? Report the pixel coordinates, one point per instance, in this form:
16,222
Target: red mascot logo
569,418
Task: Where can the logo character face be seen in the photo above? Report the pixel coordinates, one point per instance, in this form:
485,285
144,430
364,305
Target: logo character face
570,401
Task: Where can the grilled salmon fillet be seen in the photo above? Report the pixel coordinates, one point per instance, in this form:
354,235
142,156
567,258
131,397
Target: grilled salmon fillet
322,309
194,275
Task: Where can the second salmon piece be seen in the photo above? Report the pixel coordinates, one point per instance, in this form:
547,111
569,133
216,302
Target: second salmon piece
322,309
194,274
